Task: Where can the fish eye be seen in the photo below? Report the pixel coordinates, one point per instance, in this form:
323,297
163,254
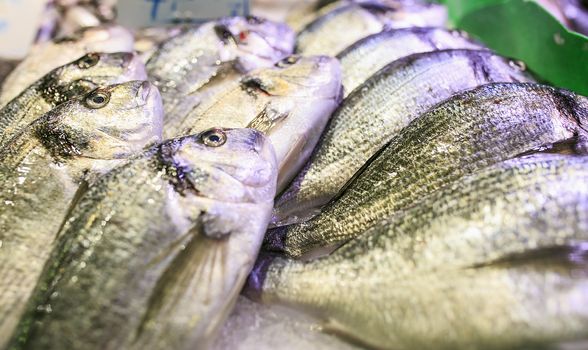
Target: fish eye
288,61
224,33
90,60
97,99
213,138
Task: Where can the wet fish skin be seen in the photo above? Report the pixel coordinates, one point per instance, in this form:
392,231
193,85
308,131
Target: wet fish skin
376,112
290,102
61,84
190,60
370,54
45,57
50,163
507,243
464,134
169,238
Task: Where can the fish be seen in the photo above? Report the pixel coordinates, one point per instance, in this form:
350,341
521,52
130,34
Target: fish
45,57
61,84
377,111
45,168
345,24
496,260
466,133
372,53
188,61
413,12
290,102
155,254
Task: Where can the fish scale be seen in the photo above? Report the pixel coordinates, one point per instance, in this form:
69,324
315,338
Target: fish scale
376,112
475,129
138,264
506,243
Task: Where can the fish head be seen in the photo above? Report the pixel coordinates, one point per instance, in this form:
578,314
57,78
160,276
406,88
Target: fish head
227,165
258,42
315,77
90,72
108,123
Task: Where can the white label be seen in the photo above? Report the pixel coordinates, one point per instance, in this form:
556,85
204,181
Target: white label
144,13
19,21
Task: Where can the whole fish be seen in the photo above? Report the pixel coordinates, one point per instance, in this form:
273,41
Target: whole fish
42,168
344,25
45,57
156,253
465,133
290,102
377,111
189,60
497,260
404,13
63,83
370,54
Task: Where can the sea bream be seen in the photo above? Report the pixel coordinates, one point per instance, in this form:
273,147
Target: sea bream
377,111
461,135
372,53
61,84
290,102
348,22
156,253
496,260
43,168
188,61
45,57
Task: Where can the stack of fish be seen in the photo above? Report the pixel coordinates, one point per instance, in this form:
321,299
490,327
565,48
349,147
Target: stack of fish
420,190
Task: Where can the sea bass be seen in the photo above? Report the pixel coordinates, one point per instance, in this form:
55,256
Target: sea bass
465,133
337,29
290,102
156,253
497,260
189,60
63,83
377,111
372,53
45,57
42,168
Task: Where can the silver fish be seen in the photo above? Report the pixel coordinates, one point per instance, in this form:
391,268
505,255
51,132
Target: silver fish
370,54
404,13
63,83
497,260
379,110
465,133
189,60
290,102
156,253
45,57
42,168
344,25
